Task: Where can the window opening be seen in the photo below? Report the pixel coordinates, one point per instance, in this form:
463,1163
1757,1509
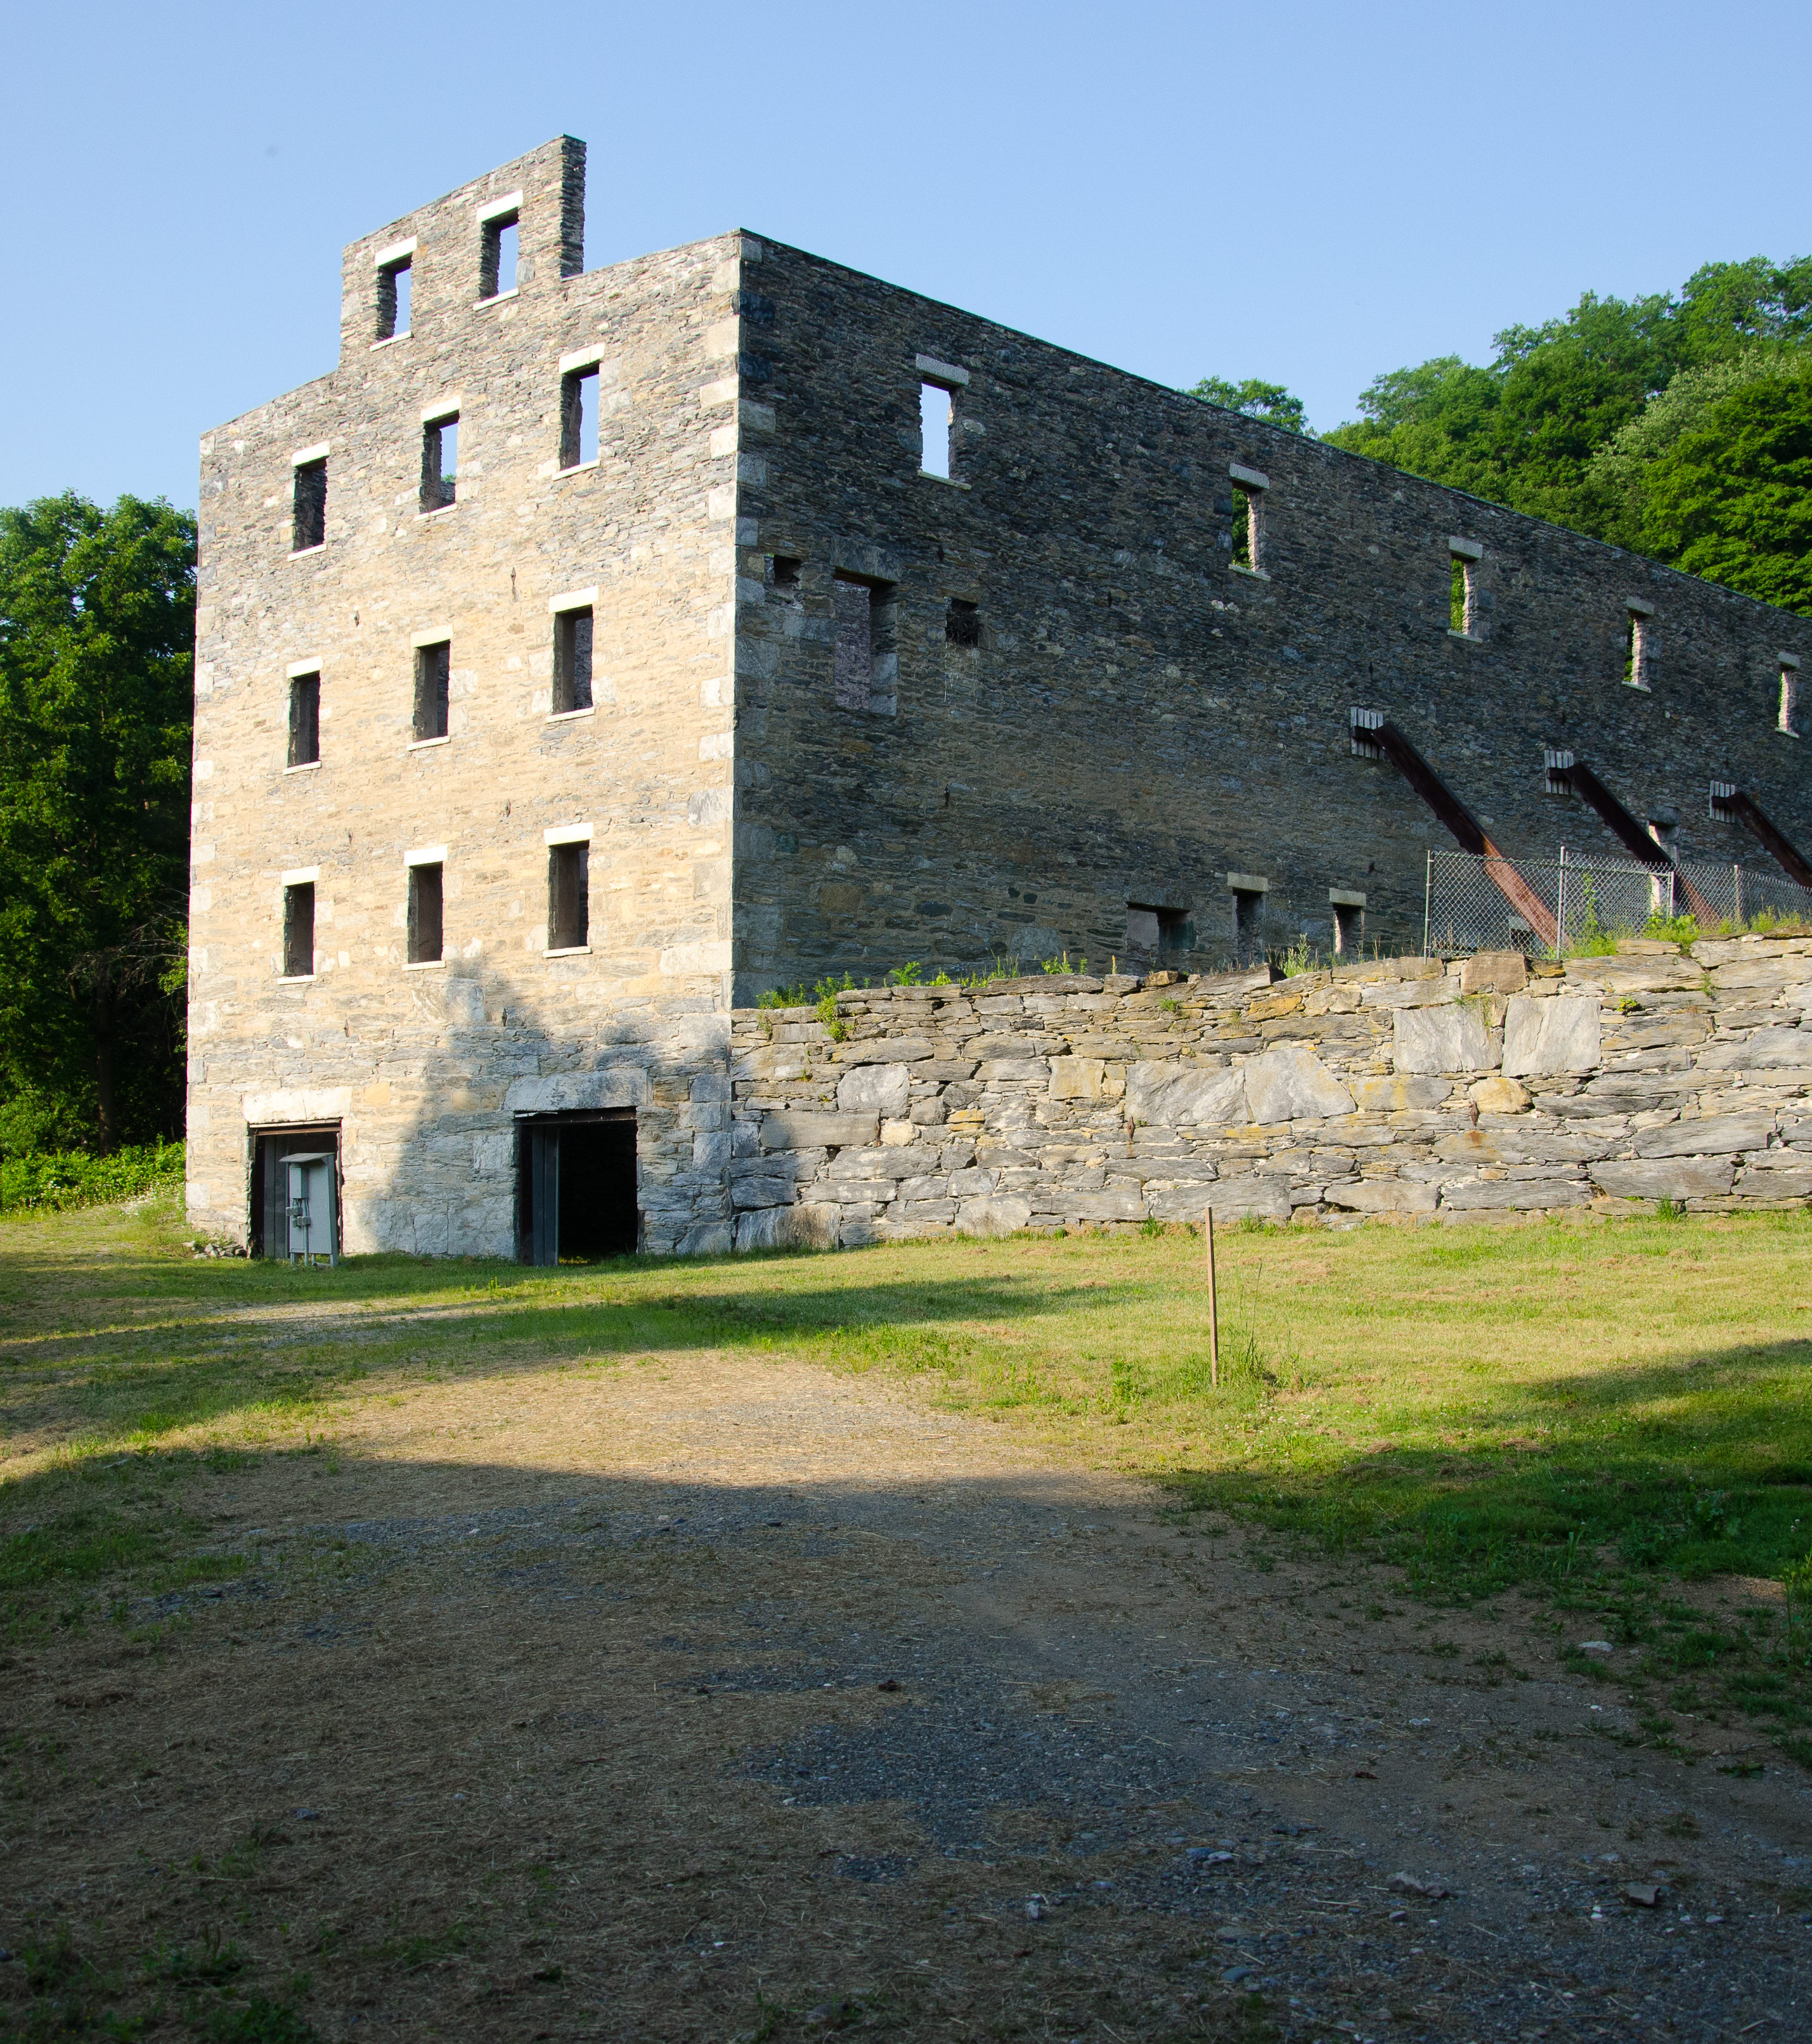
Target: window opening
962,623
1348,922
440,462
569,905
572,660
305,720
937,423
433,674
1638,646
864,667
784,572
576,1187
1789,694
425,898
1460,597
309,524
1557,771
299,931
496,255
579,417
276,1189
1154,932
1363,726
1249,893
394,292
1245,520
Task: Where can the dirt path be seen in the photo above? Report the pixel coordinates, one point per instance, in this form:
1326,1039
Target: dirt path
716,1698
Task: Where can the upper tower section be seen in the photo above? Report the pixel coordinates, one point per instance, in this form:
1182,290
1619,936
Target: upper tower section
517,229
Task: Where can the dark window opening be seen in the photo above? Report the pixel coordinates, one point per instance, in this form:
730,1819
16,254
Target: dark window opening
276,1230
962,623
1248,921
937,426
1349,929
784,572
865,668
1362,728
496,255
572,660
433,678
393,295
439,463
1557,771
1154,933
305,720
309,526
425,897
578,418
569,891
299,931
576,1187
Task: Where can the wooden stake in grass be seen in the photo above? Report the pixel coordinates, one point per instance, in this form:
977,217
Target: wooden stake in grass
1213,1308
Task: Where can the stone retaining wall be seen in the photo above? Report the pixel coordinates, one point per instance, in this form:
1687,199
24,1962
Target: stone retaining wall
1406,1087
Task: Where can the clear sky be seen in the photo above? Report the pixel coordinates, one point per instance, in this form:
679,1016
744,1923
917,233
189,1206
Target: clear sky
1310,193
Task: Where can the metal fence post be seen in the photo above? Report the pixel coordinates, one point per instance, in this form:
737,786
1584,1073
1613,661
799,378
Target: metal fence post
1737,892
1561,906
1427,889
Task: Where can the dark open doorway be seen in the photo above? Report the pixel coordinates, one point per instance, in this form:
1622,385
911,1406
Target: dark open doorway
271,1202
576,1186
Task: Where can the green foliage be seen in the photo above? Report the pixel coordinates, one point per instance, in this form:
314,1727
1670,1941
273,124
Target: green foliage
1061,963
38,1181
97,640
1268,402
1301,958
1676,425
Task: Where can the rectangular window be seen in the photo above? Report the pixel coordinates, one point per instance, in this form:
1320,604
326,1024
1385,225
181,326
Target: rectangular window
1557,771
425,896
308,522
440,462
572,660
393,294
784,573
1249,892
962,623
1789,718
1363,726
1463,608
1154,933
299,931
569,890
1246,504
305,720
1348,922
433,676
1638,645
937,422
864,666
579,417
497,255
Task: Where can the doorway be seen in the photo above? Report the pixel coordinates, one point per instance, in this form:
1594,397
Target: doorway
576,1186
271,1190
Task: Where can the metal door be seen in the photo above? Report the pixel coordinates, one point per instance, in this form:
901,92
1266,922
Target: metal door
544,1194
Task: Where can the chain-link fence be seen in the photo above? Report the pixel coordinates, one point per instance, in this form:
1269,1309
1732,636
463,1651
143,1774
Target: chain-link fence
1554,906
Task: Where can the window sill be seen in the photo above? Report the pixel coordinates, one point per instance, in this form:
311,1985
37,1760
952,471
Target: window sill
577,468
295,979
422,744
569,950
390,339
1466,638
1787,731
1237,567
949,482
498,298
439,511
1641,688
423,965
302,553
566,716
304,766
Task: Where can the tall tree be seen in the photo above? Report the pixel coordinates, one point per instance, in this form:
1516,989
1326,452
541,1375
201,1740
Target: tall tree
1268,402
97,645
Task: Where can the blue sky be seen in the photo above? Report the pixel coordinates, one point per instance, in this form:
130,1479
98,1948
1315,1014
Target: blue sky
1309,193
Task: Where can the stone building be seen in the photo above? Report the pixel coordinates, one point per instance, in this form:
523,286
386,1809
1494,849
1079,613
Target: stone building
590,652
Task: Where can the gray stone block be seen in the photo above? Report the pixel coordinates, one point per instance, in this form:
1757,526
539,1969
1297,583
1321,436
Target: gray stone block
1764,1050
1381,1196
1551,1036
1522,1195
814,1227
1706,1135
875,1088
1292,1085
1453,1038
1665,1178
1001,1214
809,1130
710,1237
1239,1199
1183,1096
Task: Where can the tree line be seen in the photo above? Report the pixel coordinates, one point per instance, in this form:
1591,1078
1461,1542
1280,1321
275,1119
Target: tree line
1679,426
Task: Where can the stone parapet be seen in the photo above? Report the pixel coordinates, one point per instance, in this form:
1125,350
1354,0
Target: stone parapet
1401,1088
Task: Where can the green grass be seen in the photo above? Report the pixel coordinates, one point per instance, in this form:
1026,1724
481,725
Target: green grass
1604,1413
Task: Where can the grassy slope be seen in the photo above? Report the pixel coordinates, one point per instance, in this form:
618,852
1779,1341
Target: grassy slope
1598,1410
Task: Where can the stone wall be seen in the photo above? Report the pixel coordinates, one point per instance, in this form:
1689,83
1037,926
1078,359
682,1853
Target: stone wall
1402,1087
1142,717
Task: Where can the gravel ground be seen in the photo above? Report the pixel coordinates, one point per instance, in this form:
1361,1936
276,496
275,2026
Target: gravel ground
719,1699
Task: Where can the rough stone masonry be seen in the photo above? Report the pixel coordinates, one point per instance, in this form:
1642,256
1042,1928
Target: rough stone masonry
643,596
